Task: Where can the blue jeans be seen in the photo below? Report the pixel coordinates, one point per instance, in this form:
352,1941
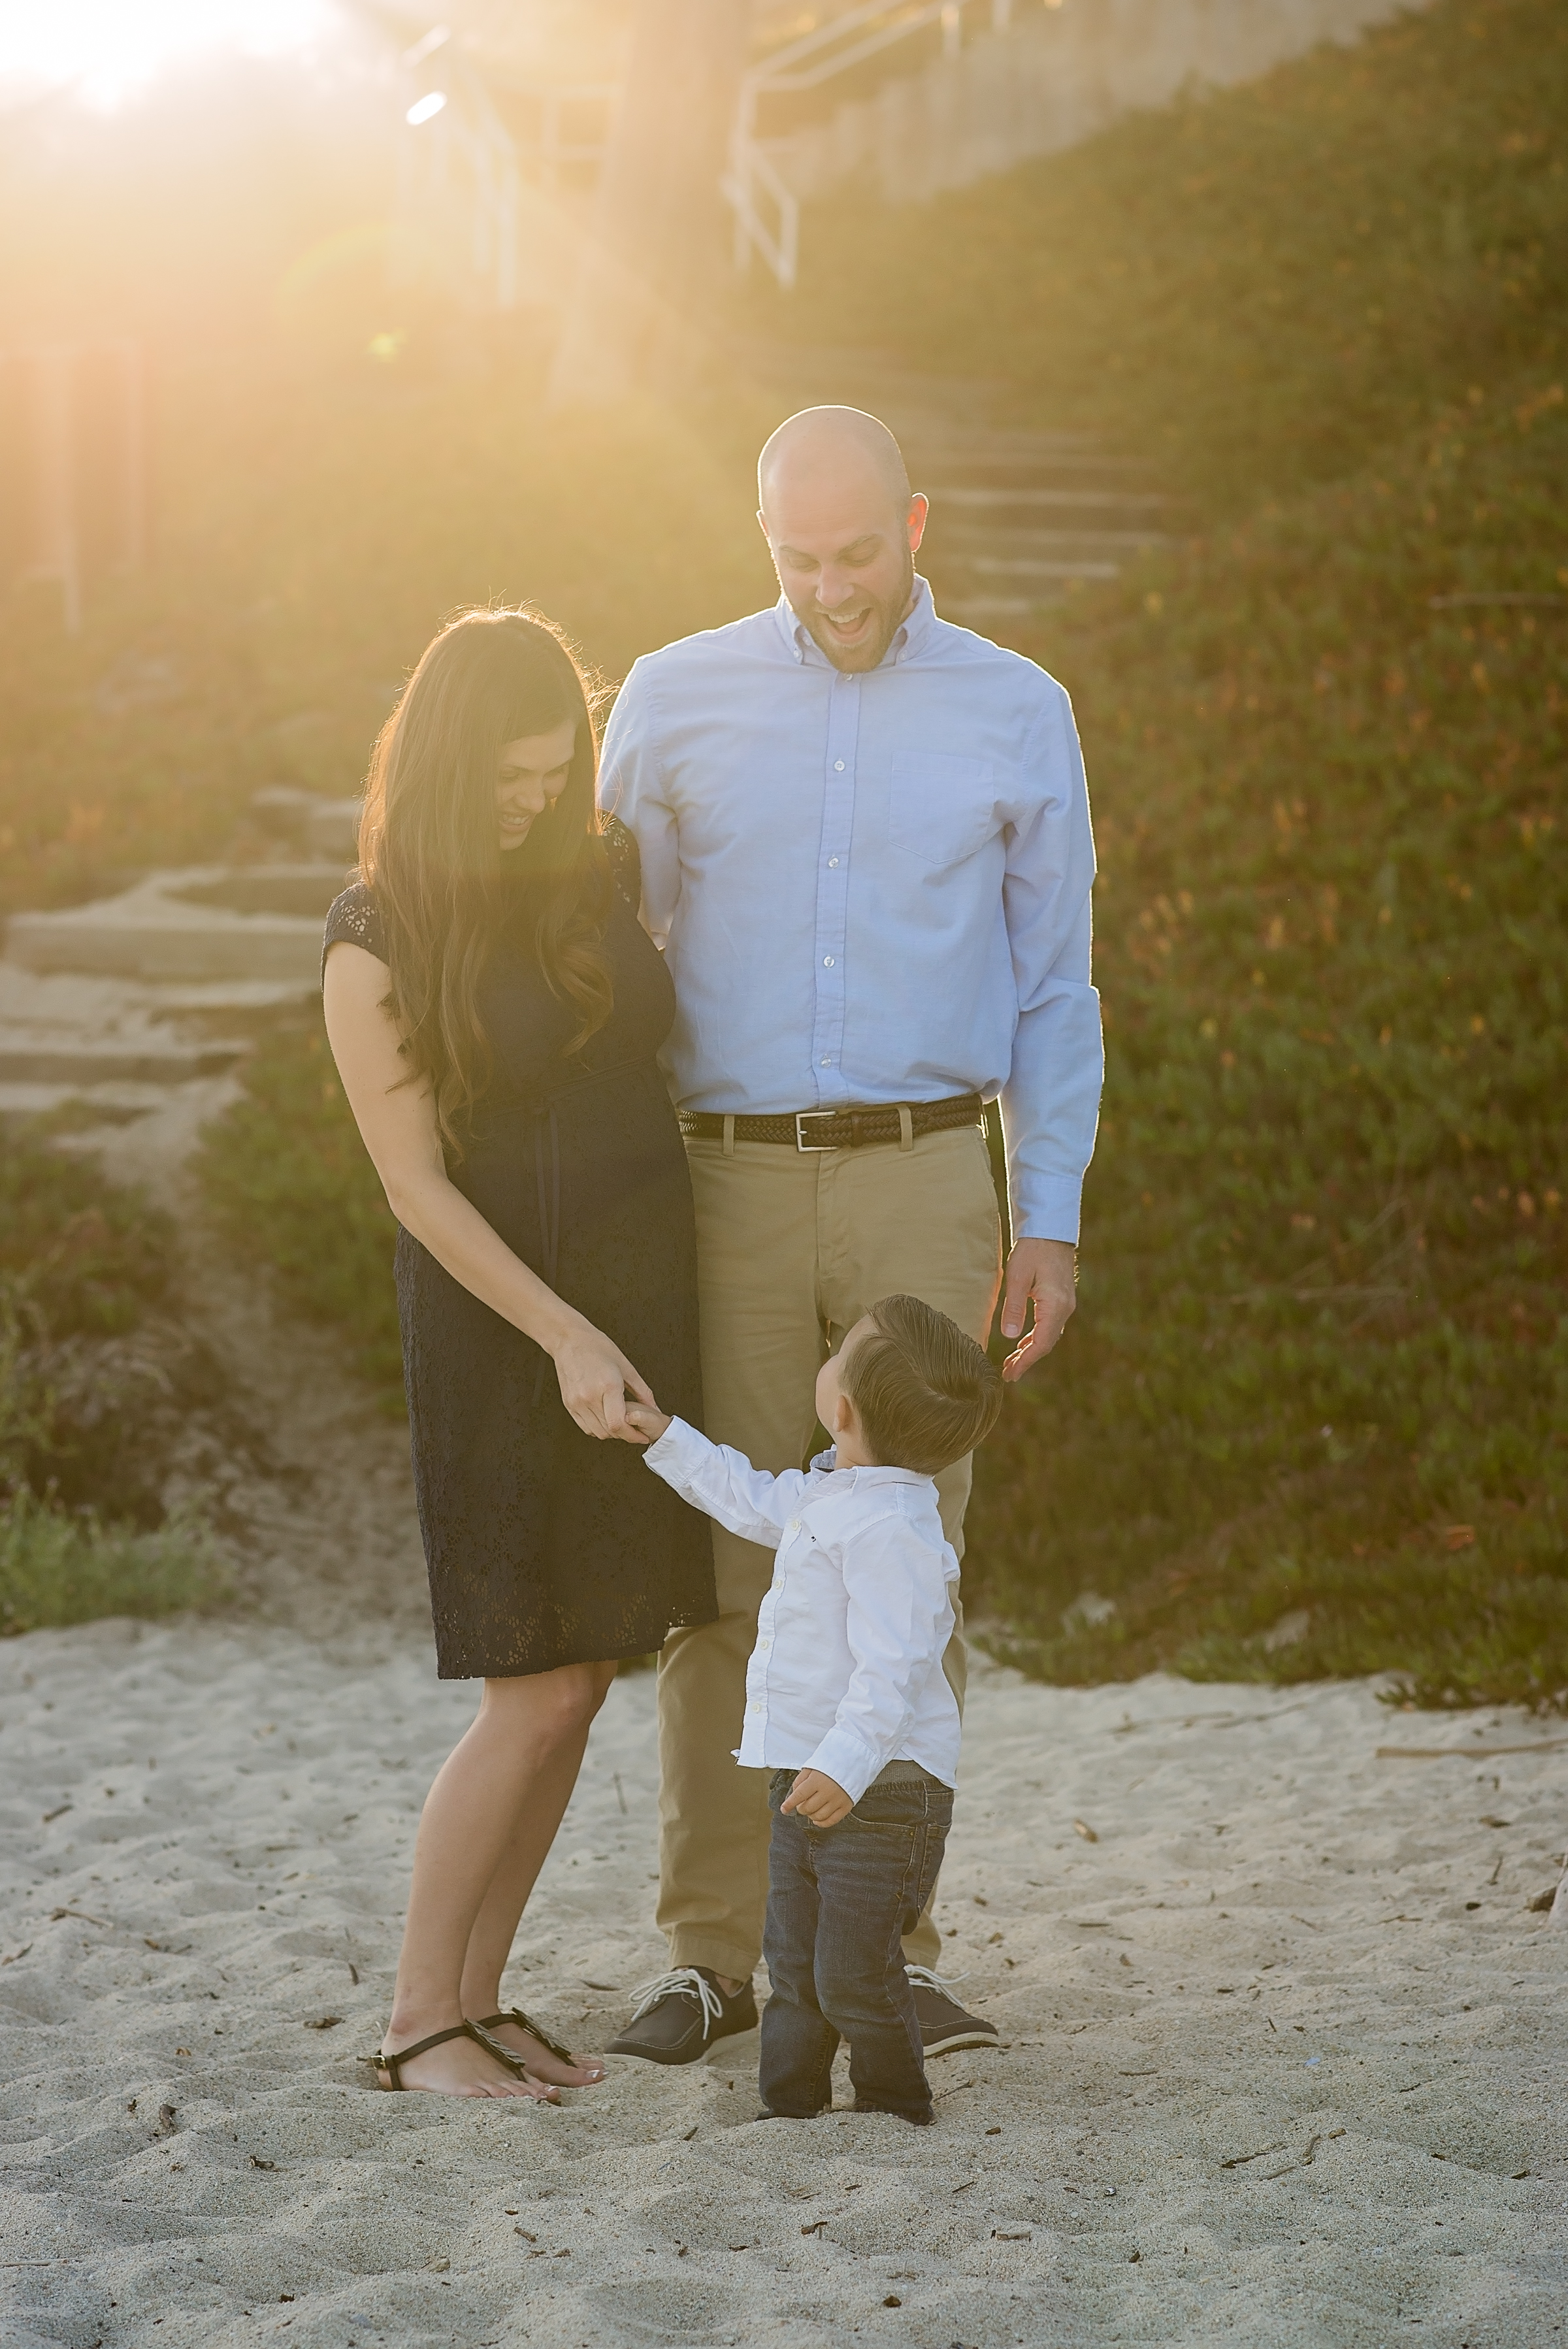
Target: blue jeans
839,1901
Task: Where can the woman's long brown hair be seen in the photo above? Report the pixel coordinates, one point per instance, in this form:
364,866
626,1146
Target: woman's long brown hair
427,846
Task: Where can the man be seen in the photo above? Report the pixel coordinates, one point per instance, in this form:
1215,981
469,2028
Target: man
866,850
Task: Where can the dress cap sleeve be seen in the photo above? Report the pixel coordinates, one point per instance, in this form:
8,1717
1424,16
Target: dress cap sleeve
625,860
352,919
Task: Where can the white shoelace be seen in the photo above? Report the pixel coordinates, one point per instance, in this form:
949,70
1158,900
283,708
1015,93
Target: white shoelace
683,1980
927,1977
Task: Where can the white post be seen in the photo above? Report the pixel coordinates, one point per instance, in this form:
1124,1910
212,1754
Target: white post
57,554
951,29
509,197
132,458
1001,15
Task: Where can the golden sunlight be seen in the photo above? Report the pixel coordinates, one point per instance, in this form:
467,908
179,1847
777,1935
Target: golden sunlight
107,48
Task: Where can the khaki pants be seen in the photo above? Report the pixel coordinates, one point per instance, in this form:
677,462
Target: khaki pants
792,1248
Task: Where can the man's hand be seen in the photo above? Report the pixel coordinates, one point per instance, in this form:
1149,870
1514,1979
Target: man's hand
818,1798
1041,1273
645,1422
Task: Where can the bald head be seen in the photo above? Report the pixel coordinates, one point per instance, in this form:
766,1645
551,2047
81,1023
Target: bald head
829,443
842,529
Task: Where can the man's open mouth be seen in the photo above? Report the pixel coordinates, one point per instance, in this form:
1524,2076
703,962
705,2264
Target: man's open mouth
849,629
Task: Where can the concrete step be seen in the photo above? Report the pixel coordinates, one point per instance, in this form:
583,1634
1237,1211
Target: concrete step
76,1066
324,828
972,611
993,538
256,923
992,515
1035,566
986,499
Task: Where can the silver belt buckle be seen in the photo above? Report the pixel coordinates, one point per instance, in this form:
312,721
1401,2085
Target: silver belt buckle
801,1141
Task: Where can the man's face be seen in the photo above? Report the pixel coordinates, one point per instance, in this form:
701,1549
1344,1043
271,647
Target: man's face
844,552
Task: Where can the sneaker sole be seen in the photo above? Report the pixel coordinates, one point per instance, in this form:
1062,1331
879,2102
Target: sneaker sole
957,2039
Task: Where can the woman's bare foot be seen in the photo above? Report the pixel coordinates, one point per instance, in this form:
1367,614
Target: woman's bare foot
541,2064
461,2067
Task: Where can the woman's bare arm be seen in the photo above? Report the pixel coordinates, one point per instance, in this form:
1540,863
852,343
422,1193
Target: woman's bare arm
397,1120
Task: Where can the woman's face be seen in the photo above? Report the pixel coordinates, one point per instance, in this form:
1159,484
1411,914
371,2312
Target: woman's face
531,777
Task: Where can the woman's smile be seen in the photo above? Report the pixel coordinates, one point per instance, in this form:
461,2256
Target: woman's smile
531,776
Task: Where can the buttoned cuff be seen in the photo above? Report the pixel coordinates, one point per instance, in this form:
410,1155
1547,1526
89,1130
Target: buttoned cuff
847,1759
1048,1207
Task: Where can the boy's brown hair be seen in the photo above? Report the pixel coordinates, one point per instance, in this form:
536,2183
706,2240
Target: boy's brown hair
925,1392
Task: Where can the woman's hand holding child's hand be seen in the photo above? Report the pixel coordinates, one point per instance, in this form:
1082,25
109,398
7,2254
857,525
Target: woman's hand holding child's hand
819,1798
596,1380
645,1422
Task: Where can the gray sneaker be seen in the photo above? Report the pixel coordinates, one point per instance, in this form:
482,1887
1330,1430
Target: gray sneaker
679,2014
944,2026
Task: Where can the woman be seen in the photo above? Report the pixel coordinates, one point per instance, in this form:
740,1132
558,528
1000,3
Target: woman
494,1009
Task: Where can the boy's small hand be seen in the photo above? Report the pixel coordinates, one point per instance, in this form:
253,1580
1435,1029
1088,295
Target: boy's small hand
819,1798
645,1422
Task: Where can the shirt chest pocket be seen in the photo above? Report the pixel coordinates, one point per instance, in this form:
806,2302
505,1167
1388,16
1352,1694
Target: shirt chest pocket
941,809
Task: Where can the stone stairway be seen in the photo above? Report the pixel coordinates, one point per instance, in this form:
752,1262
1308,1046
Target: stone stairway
136,1011
1017,517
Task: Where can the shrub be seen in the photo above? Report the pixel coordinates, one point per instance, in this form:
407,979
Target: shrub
291,1181
56,1569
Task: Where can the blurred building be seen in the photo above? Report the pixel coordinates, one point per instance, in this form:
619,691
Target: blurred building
516,108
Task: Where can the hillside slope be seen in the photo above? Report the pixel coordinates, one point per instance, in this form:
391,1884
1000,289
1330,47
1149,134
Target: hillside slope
1255,287
1321,1359
1310,1417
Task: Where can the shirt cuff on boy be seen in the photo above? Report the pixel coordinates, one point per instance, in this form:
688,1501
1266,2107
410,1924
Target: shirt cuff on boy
848,1760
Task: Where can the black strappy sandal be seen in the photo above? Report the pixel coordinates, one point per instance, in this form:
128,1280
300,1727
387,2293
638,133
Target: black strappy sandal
515,2015
392,2064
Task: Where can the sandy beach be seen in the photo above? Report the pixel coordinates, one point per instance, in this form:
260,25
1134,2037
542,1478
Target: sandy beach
1284,2055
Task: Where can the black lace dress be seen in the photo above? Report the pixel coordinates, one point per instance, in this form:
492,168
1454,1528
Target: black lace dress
546,1546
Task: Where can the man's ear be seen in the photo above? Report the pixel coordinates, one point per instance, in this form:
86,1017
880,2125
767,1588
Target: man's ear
762,525
919,508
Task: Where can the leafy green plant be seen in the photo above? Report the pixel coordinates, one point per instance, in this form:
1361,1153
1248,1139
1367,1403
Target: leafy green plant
1310,1416
80,1264
1253,287
288,1176
76,1254
1322,1361
56,1569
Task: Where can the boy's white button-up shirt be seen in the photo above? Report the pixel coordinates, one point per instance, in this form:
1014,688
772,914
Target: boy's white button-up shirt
846,1674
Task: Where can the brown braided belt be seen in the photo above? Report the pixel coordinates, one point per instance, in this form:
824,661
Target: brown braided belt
838,1129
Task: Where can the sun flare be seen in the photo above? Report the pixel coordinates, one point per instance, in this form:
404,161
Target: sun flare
105,49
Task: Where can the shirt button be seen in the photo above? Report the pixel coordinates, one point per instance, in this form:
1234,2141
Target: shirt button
827,962
838,766
827,1059
833,861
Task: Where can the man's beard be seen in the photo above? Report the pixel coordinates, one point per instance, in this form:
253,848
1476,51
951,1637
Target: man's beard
887,617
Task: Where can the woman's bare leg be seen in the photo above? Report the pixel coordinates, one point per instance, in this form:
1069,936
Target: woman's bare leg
495,1927
525,1744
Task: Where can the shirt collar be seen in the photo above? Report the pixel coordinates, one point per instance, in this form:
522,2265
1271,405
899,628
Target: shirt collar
854,1477
910,637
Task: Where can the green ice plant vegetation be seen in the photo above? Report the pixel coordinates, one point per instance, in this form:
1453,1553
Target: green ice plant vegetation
1311,1416
290,1180
57,1567
81,1261
1314,1417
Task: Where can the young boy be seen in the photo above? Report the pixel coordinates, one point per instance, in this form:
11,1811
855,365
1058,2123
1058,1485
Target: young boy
846,1700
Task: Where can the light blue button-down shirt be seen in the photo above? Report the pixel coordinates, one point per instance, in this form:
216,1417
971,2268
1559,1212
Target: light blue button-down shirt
870,887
